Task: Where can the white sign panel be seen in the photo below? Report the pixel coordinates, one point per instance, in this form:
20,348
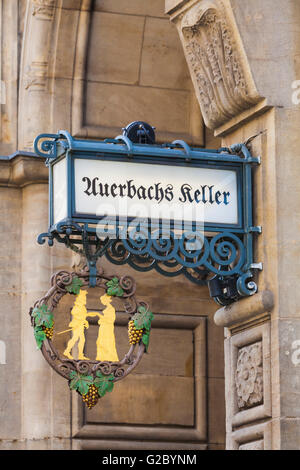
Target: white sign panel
142,190
60,190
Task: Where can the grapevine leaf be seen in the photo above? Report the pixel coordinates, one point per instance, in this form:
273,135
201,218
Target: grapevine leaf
114,288
115,291
113,282
80,382
39,335
104,383
143,318
74,287
145,339
42,316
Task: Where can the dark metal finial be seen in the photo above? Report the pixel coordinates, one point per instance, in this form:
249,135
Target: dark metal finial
140,132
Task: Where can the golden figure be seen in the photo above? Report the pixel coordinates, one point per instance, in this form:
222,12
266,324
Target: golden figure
106,345
78,324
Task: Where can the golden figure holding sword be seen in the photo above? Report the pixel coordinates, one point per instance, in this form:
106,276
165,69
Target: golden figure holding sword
106,347
78,325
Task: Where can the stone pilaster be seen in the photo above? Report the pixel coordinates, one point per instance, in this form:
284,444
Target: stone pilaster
45,417
36,270
35,92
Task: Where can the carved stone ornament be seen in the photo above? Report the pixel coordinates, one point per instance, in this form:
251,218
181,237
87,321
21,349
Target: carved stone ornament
220,78
91,378
249,376
36,76
43,9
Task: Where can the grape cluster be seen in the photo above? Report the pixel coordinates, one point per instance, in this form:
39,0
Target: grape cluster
91,397
48,331
134,335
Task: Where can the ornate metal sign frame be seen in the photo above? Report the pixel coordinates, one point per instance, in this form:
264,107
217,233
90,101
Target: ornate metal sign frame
223,251
88,376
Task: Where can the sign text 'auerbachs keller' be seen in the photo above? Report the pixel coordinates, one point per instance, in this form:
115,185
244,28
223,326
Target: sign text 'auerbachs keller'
153,191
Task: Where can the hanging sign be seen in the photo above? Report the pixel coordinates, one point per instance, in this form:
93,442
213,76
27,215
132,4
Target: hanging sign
91,377
169,207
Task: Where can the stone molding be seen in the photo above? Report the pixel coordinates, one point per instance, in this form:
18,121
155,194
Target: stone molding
21,170
257,437
245,310
217,62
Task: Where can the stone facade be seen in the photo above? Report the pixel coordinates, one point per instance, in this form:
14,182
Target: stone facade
210,72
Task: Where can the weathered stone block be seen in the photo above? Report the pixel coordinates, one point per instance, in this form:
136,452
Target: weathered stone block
216,418
290,433
108,104
64,59
289,334
118,42
163,63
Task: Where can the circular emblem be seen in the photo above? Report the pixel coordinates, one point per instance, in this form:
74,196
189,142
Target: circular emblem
92,378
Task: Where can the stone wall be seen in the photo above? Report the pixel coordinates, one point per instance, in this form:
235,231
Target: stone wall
91,67
90,62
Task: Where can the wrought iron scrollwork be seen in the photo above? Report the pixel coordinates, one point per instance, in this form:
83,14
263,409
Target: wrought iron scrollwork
46,146
197,256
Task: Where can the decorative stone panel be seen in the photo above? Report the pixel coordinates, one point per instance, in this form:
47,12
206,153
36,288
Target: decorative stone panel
249,376
247,358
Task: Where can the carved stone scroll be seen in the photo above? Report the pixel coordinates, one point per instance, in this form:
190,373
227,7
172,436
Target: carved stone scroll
222,81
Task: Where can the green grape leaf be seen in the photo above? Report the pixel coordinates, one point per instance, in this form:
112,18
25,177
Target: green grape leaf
145,339
116,291
143,318
42,316
104,383
74,287
39,335
114,288
80,382
113,282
